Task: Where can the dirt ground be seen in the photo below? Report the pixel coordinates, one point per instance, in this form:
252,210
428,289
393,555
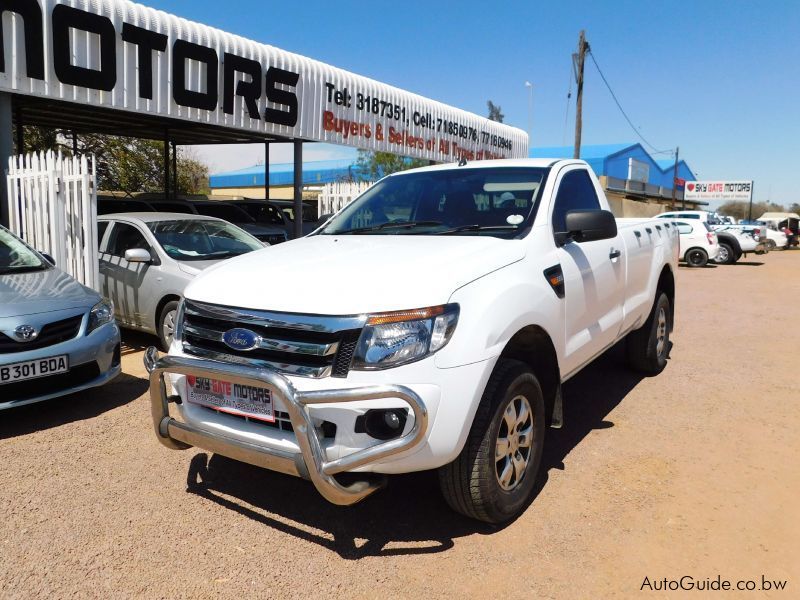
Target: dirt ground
692,473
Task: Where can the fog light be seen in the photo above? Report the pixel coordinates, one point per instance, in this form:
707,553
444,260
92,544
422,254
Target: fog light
382,424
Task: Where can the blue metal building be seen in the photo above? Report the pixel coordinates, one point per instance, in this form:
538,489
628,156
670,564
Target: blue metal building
614,160
314,173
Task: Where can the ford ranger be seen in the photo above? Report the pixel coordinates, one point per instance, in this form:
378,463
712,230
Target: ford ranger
429,324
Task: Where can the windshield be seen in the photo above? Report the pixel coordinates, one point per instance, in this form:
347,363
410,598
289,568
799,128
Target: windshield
498,201
16,257
202,240
232,214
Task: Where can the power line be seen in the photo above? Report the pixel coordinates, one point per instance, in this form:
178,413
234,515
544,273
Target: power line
624,114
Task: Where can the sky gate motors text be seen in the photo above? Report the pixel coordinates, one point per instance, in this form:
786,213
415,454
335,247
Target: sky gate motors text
66,18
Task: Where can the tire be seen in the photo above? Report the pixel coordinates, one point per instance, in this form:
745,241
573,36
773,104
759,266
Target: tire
726,255
648,347
166,324
771,245
696,257
480,485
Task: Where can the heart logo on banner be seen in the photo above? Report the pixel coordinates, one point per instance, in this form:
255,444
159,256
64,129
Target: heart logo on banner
691,187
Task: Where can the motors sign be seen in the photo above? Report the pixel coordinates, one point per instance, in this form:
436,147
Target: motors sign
124,56
718,190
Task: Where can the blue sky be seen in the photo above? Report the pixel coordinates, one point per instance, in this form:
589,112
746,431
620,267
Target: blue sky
719,79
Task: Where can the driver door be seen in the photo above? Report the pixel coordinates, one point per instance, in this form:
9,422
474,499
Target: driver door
123,280
594,276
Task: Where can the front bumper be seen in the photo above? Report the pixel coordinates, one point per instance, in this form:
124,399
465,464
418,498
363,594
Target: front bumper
310,462
101,347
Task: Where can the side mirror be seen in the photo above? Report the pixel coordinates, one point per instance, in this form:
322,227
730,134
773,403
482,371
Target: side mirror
590,225
48,258
138,255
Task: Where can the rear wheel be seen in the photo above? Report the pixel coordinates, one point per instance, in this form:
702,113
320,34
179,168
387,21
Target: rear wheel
696,257
166,324
771,245
492,479
726,255
648,347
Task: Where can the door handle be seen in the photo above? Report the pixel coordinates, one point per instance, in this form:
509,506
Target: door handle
614,254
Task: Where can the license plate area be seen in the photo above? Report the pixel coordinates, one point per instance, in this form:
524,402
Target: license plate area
33,369
232,398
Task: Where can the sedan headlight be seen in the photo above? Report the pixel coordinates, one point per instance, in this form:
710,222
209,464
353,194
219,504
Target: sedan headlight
396,338
101,313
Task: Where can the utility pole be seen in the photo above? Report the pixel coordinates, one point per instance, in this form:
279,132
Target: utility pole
579,58
675,180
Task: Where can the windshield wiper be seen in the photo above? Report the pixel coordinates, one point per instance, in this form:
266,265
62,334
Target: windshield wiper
475,227
391,225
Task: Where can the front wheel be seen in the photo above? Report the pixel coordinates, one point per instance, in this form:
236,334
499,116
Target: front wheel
166,324
696,257
493,478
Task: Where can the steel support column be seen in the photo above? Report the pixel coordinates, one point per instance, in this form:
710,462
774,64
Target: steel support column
6,151
166,165
174,170
266,170
298,189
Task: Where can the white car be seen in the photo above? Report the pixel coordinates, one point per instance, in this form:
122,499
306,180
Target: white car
698,244
429,324
147,259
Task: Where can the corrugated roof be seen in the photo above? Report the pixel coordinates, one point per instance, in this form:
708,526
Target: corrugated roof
587,152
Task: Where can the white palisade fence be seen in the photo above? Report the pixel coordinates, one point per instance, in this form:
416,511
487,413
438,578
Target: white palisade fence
53,207
339,194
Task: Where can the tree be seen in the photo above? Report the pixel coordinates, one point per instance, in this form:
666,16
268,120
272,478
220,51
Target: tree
795,208
371,166
495,112
741,210
124,164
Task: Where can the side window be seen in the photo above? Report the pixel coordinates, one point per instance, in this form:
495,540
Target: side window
576,192
684,228
102,226
125,237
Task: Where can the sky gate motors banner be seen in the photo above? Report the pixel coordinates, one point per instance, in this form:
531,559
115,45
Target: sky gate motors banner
125,56
718,190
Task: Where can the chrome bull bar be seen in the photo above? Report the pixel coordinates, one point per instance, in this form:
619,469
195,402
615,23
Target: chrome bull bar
310,462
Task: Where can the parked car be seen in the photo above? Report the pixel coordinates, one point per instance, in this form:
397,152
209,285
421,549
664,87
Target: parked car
146,260
698,244
267,213
752,238
730,242
233,214
57,336
429,324
701,215
311,220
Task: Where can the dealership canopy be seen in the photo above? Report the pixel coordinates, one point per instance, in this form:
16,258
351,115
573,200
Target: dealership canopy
111,66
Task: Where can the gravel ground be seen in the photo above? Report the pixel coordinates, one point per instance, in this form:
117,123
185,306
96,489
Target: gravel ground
694,472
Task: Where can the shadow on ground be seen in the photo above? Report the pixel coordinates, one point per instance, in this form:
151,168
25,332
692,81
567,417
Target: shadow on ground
67,409
136,341
410,516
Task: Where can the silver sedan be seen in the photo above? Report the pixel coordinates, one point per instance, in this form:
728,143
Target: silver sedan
147,259
56,335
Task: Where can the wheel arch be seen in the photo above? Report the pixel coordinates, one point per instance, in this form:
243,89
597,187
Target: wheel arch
666,284
533,346
161,304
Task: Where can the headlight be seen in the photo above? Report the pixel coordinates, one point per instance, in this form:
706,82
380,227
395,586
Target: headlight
101,313
396,338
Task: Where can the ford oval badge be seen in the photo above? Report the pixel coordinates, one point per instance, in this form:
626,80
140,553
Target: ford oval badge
241,339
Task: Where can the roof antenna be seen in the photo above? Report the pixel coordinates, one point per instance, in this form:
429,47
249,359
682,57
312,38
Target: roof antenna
463,161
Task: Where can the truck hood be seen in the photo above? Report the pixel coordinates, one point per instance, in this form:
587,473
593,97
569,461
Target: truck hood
42,291
353,274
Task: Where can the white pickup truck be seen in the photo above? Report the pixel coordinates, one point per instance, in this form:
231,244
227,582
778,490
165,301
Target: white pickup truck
428,325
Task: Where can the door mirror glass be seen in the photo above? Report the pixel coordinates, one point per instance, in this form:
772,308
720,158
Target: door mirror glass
590,225
138,255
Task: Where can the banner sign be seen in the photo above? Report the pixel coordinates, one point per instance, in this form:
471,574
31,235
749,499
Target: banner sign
718,190
124,56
